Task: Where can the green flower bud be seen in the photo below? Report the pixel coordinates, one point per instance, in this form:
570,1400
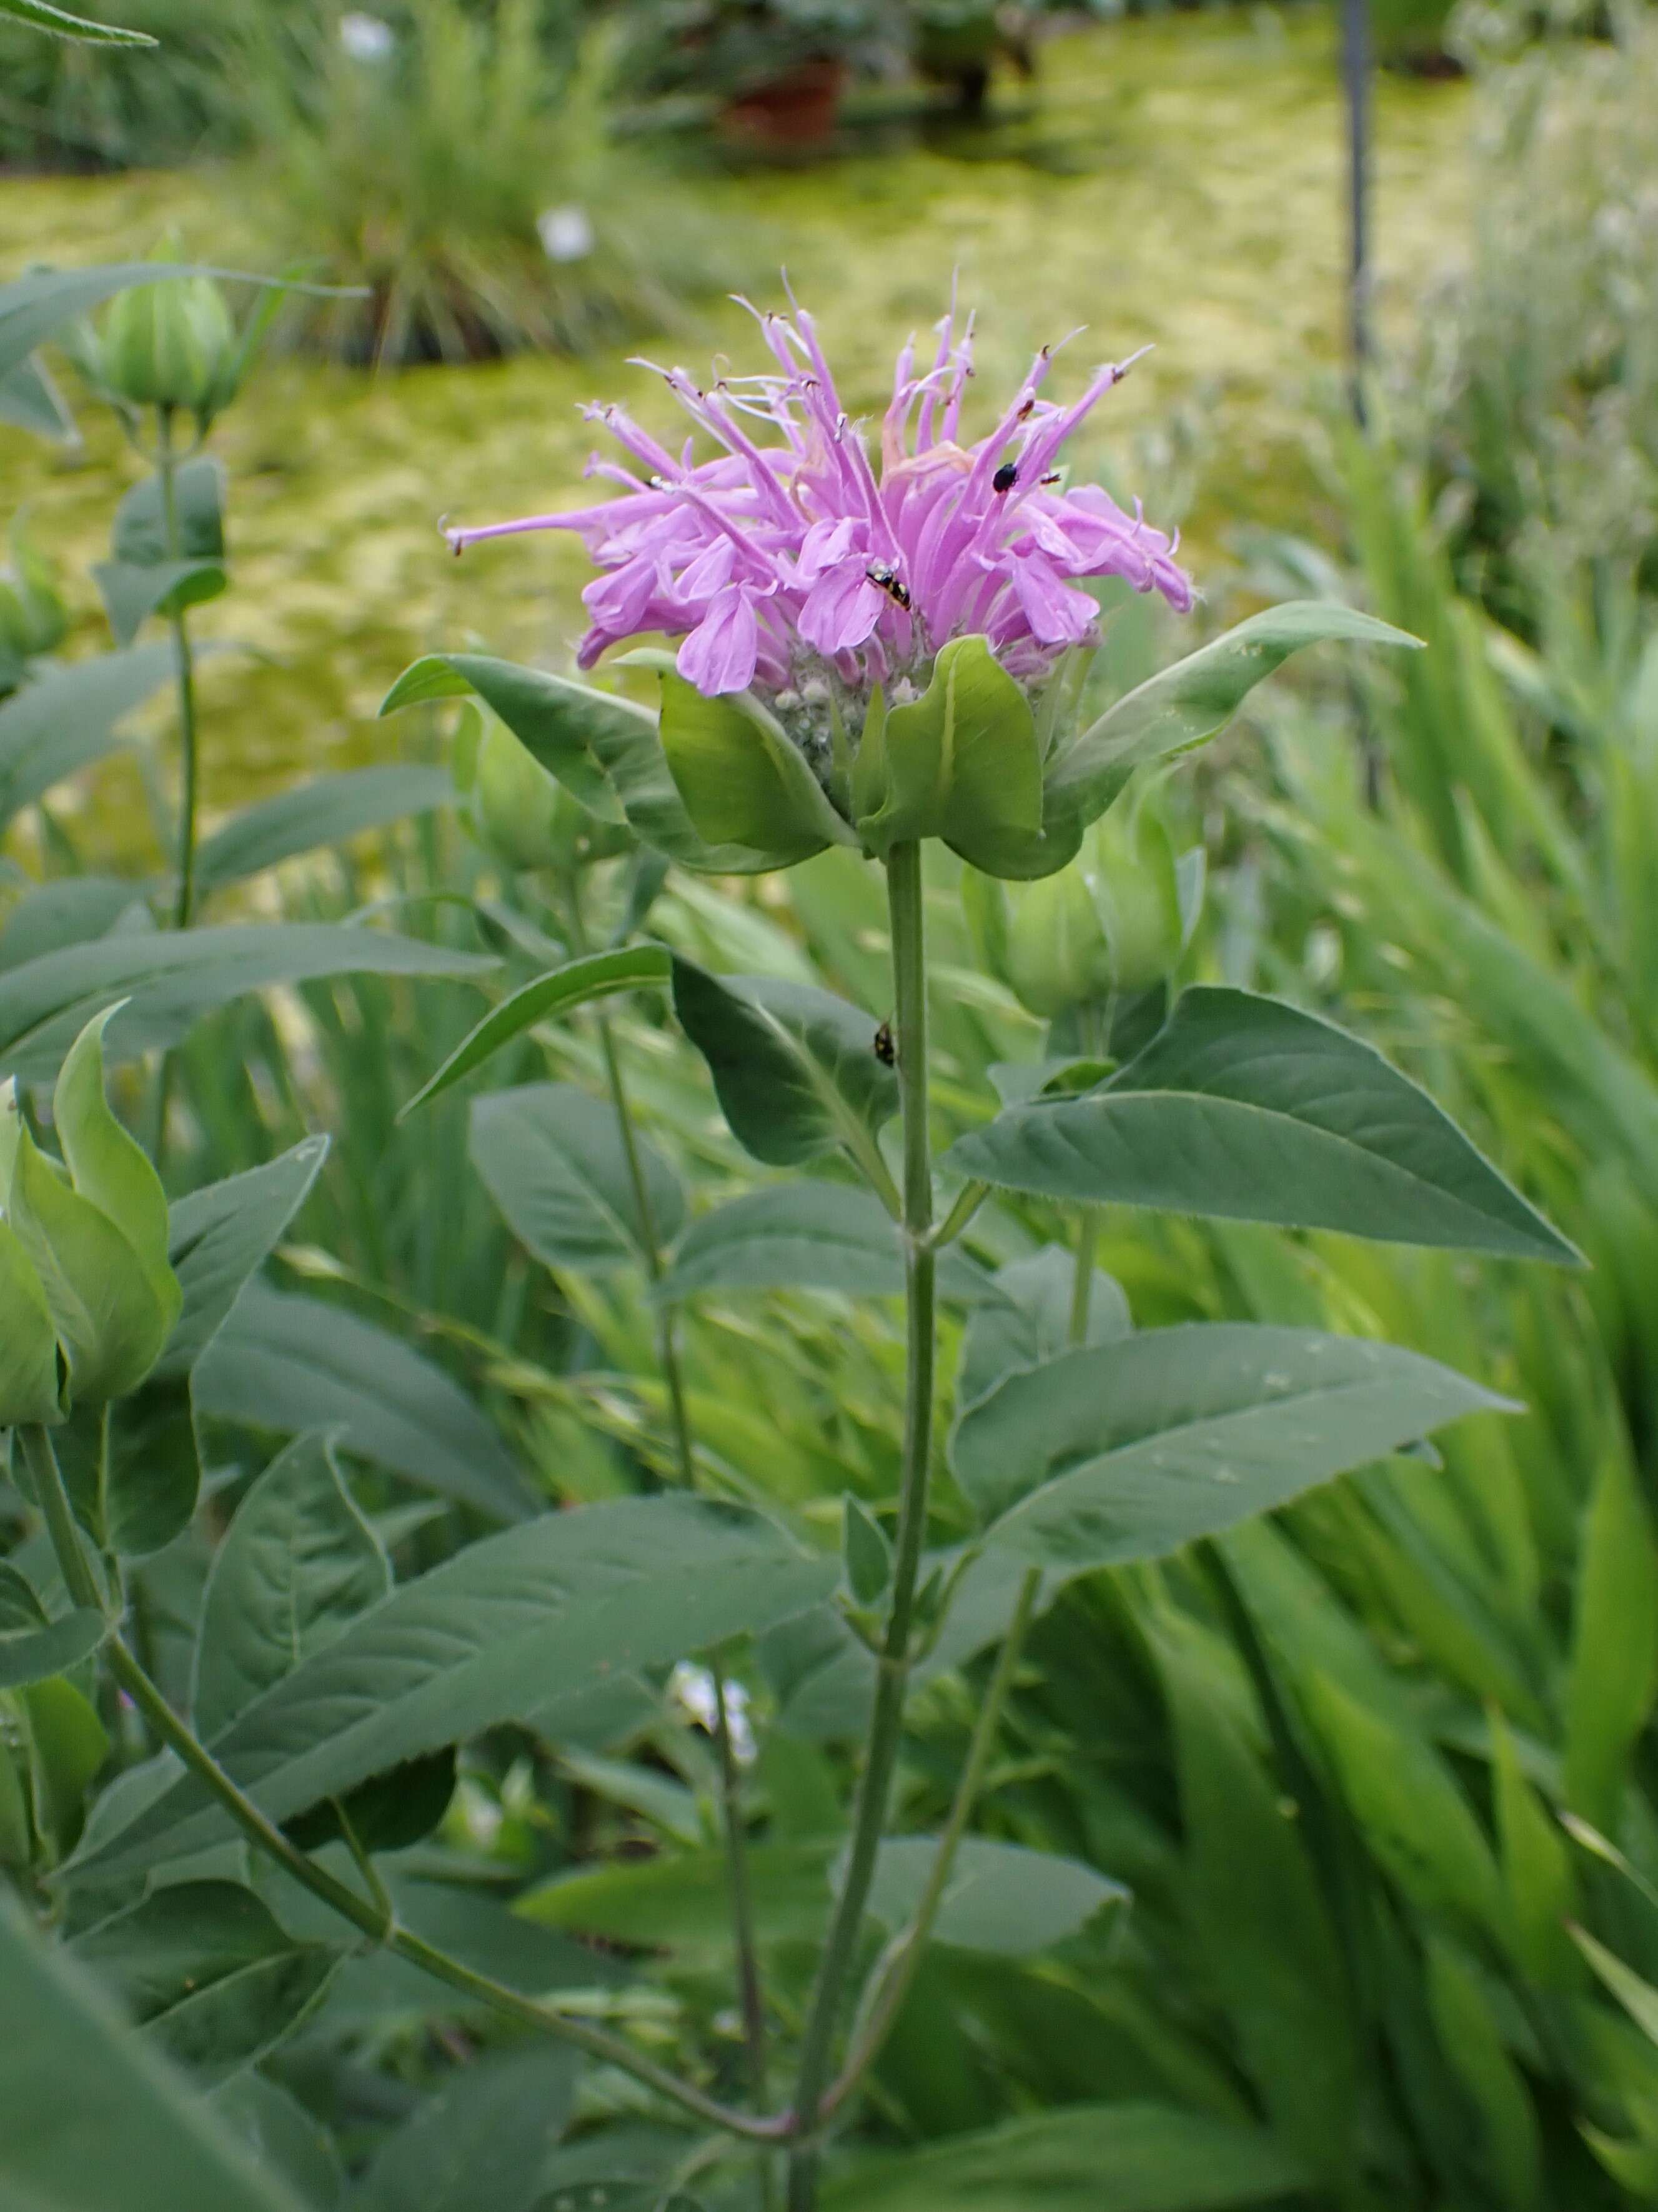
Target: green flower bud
525,816
1057,956
83,1250
173,343
1130,866
1114,921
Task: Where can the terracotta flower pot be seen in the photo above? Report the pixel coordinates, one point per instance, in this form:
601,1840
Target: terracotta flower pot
799,109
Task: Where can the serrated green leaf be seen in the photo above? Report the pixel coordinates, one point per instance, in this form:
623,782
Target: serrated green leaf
598,976
574,1598
298,1563
171,978
144,2141
795,1069
206,1973
218,1237
809,1236
680,1900
482,2139
554,1161
283,2137
1030,1321
1128,1450
1193,702
1245,1109
1001,1899
286,1362
326,811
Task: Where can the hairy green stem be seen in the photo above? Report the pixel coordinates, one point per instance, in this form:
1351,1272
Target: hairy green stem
889,1984
41,1460
846,1928
363,1914
1082,1281
750,1993
185,677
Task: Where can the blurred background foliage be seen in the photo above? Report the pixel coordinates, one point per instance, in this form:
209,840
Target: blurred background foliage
1381,1774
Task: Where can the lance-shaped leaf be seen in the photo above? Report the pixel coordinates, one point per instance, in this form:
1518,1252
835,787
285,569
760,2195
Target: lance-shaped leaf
219,1236
480,2140
1128,1450
97,1236
29,397
324,812
1245,1109
59,23
144,575
795,1069
289,1362
171,978
554,1163
34,1648
206,1973
29,1342
962,763
144,2141
66,720
299,1564
556,721
1000,1897
1029,1321
1193,700
1121,2157
600,976
574,1598
809,1237
743,781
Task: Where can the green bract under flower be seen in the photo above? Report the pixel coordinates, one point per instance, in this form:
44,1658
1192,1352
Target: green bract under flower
88,1298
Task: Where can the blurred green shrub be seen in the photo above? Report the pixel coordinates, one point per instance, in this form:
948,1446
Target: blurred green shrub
452,161
1535,403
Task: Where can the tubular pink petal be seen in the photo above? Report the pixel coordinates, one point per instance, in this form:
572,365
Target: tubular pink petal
721,654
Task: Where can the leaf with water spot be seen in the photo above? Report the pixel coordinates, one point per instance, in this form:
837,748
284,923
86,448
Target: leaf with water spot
1128,1450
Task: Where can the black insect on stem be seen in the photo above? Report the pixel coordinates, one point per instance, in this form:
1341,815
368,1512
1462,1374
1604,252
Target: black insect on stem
1005,476
884,577
885,1051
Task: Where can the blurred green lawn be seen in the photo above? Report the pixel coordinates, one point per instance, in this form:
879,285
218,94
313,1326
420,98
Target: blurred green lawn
1176,182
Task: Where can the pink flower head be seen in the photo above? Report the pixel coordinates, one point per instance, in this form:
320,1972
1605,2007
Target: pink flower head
787,560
